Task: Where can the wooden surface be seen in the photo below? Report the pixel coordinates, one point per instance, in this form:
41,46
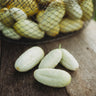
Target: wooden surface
82,46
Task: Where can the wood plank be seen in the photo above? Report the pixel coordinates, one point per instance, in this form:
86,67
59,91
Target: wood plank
84,80
82,46
21,84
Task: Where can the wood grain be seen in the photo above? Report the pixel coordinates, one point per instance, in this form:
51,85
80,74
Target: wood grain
84,80
82,46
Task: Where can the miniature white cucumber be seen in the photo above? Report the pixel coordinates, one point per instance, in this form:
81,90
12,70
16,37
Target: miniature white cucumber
52,15
39,16
30,7
28,29
52,32
53,77
68,25
88,8
69,61
17,14
29,59
74,10
2,26
5,17
10,33
51,59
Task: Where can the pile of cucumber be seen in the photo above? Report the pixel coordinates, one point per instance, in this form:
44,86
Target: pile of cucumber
46,73
56,16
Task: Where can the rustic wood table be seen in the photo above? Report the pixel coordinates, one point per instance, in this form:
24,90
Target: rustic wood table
82,46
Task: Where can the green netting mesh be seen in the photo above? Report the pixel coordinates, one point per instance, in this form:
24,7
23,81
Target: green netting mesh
43,20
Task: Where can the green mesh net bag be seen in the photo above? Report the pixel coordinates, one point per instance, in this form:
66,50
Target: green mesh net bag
43,20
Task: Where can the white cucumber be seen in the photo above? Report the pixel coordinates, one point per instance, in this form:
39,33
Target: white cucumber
17,14
6,18
69,61
28,29
74,10
52,15
2,26
53,77
52,59
29,59
10,33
